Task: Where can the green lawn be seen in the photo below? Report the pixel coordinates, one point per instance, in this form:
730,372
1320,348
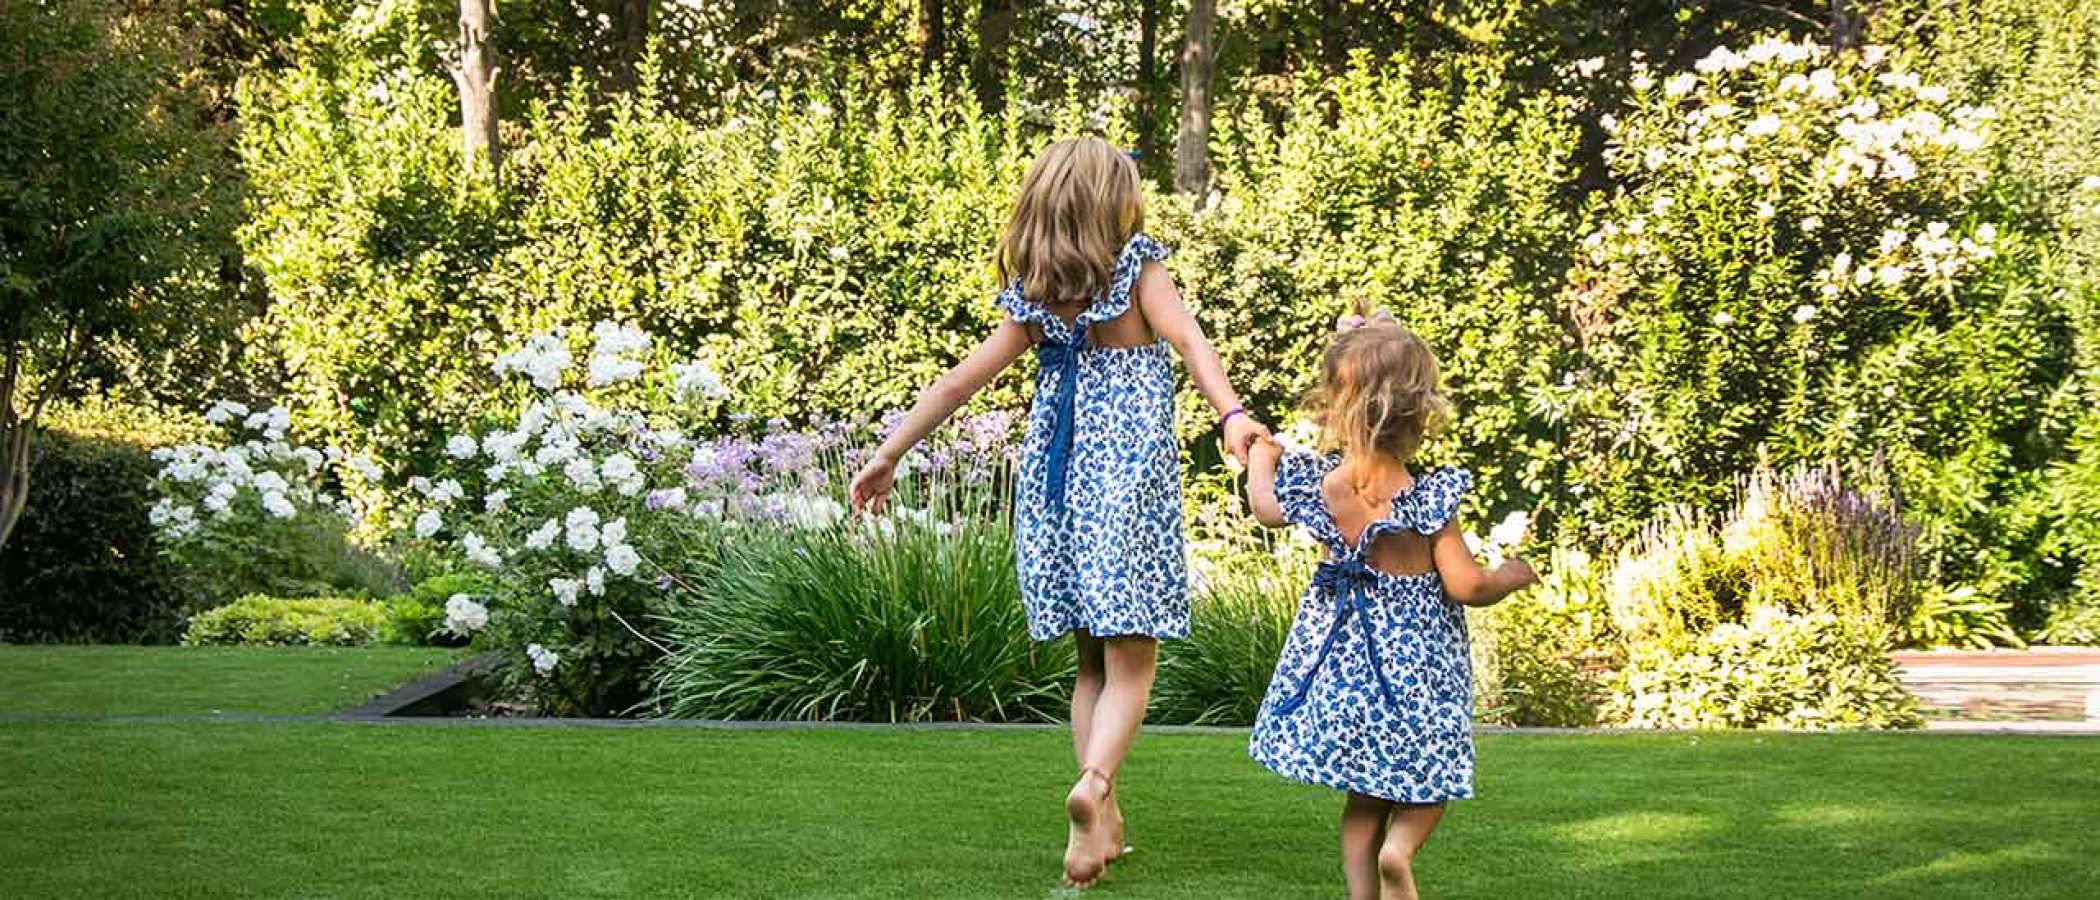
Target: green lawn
132,681
340,810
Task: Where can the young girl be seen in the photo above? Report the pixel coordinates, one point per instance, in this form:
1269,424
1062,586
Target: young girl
1373,693
1098,503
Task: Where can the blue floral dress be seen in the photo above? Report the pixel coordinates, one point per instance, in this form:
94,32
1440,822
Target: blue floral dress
1374,691
1097,507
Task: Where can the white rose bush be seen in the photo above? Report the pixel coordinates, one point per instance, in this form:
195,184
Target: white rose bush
255,513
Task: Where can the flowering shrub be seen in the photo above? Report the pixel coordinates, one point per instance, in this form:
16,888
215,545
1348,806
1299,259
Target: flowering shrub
256,516
1805,258
1774,670
1541,658
594,519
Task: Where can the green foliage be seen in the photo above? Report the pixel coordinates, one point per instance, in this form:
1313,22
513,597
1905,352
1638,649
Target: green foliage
1241,616
1449,203
1540,658
1959,617
417,616
848,624
258,619
1775,670
114,211
84,566
2076,623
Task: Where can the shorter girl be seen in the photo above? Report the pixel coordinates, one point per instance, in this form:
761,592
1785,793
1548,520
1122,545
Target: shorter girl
1373,694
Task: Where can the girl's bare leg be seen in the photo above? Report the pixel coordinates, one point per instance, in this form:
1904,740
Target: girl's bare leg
1130,663
1363,832
1086,692
1405,832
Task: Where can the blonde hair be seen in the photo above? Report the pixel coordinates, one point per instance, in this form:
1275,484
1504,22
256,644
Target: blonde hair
1078,205
1380,397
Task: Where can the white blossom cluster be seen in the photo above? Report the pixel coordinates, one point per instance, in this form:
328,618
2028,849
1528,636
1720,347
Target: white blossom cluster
203,486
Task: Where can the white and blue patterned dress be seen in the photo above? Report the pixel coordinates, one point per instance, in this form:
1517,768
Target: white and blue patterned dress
1097,507
1374,691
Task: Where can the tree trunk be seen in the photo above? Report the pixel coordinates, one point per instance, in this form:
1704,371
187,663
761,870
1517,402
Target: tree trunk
1332,56
933,35
1848,24
475,73
1198,62
15,426
634,20
1148,80
995,26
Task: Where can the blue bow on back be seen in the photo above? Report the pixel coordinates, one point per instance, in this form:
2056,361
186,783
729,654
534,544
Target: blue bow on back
1062,360
1348,582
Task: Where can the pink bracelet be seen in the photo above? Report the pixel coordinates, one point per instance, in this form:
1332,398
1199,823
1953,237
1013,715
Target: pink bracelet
1227,417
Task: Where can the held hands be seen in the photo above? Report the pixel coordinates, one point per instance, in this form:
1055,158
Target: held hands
871,486
1241,431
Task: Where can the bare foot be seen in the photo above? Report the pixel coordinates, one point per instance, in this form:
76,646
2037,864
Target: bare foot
1085,807
1112,846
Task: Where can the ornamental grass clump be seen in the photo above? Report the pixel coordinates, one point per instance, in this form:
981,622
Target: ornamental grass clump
912,614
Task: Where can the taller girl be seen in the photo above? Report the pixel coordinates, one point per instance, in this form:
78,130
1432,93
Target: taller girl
1097,514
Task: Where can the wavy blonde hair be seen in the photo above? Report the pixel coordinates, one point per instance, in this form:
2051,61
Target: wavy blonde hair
1380,397
1078,205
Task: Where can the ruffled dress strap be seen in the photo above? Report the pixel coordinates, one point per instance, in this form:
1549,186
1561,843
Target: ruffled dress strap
1298,477
1109,304
1431,503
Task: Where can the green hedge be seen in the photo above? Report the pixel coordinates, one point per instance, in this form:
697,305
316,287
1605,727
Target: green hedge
83,565
290,621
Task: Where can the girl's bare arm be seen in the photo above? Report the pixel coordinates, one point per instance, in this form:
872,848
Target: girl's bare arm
1261,483
935,404
1161,304
1465,581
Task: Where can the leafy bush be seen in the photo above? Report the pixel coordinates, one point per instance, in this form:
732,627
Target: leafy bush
417,616
287,621
256,515
1959,617
1775,670
914,622
1241,617
83,565
1540,659
2072,624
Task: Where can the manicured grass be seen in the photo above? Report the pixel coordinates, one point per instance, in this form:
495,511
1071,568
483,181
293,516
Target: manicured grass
338,810
124,681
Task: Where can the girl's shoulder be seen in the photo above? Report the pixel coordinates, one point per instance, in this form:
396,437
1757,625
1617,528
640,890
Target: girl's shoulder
1113,302
1432,501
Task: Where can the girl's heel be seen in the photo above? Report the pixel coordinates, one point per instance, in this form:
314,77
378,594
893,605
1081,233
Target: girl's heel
1084,807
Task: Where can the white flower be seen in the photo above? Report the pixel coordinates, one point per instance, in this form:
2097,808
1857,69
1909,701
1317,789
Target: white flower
1724,319
582,526
464,616
583,475
1765,210
277,505
614,532
622,559
365,468
1811,223
543,537
496,501
271,482
428,523
1680,84
615,339
1986,233
479,552
594,581
461,446
1721,59
217,501
543,659
697,381
620,470
565,590
1511,530
611,370
1804,313
1590,66
544,358
447,492
226,411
